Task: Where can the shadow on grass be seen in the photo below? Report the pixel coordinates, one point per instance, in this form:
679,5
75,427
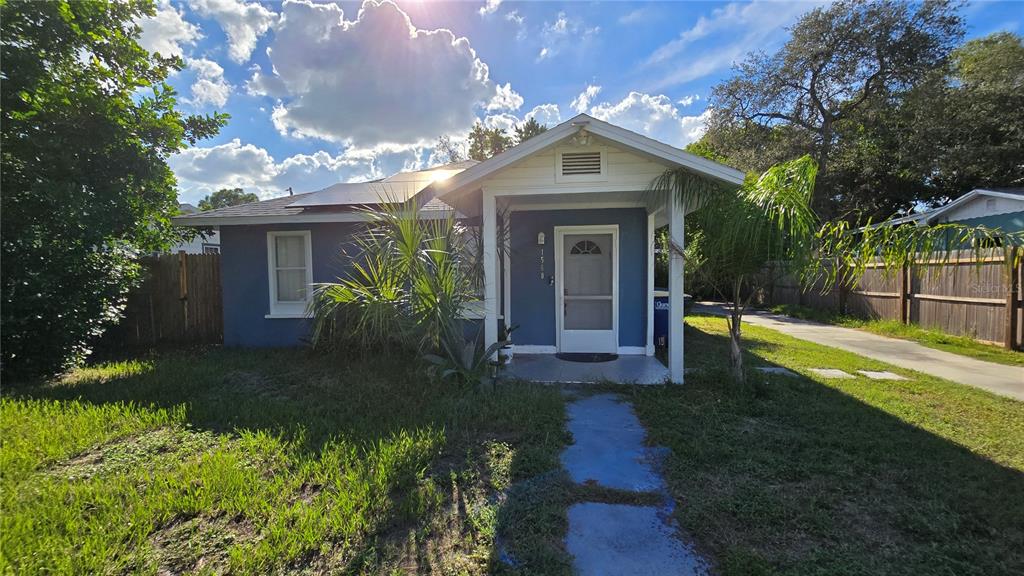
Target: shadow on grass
790,476
442,517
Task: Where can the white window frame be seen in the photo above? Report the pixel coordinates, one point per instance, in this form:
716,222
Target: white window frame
288,309
561,178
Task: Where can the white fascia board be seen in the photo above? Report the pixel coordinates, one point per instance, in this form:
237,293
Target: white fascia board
207,222
504,159
934,214
665,152
279,219
456,184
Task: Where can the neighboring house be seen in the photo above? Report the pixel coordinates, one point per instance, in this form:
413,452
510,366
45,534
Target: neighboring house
580,220
206,243
1001,208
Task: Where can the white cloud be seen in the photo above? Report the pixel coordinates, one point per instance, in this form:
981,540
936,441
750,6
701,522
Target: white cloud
167,31
209,86
202,170
506,122
490,7
565,33
505,98
743,28
546,114
636,16
370,80
560,25
582,102
515,17
654,116
242,22
688,100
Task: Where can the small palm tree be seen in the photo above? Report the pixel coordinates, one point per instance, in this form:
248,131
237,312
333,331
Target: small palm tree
769,220
741,229
408,283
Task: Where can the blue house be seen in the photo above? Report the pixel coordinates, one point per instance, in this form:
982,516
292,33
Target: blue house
576,272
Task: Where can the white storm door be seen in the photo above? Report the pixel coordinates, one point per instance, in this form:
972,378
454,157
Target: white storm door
587,290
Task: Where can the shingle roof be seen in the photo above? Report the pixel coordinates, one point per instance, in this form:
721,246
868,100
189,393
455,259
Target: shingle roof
397,187
335,203
272,207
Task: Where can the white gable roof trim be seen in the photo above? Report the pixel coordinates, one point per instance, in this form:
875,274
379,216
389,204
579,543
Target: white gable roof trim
464,181
931,217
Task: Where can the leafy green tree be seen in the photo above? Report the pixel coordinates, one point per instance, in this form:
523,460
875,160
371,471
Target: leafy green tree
966,123
85,182
446,151
839,60
529,129
227,197
487,142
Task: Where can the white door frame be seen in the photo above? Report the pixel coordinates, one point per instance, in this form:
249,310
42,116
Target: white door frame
560,233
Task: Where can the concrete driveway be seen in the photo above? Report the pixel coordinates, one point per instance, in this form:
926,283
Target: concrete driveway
997,378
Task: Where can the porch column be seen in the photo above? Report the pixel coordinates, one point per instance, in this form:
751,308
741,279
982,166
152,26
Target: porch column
490,230
650,282
675,289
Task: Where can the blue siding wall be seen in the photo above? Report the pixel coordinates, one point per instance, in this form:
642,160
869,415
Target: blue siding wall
246,290
533,299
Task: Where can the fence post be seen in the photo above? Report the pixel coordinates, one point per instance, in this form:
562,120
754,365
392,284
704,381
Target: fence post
1012,288
902,286
183,285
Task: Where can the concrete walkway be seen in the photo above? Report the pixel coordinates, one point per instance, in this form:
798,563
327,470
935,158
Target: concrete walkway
620,539
996,378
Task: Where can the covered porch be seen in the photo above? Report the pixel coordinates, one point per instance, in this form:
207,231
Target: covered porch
574,273
549,369
568,220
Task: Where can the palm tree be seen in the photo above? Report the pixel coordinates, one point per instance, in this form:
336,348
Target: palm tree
740,230
408,283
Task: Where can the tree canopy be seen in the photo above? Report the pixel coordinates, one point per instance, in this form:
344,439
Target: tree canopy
487,142
227,197
967,123
87,125
528,130
832,82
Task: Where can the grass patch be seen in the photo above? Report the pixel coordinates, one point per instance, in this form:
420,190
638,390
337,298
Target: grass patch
926,337
805,475
257,462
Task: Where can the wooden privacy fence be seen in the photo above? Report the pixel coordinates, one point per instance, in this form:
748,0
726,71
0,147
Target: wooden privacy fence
178,301
963,296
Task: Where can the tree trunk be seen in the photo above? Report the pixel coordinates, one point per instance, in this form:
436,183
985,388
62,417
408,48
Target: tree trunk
735,352
820,202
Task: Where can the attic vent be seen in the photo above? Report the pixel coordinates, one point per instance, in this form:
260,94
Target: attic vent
581,163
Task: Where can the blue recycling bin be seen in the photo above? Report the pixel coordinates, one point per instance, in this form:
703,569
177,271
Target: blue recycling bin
661,318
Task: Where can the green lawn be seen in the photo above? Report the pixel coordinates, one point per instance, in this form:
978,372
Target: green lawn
255,462
258,462
924,336
804,475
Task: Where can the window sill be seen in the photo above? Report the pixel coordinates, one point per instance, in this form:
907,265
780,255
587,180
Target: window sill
273,316
475,310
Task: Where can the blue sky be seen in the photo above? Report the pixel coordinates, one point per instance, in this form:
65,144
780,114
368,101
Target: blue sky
346,91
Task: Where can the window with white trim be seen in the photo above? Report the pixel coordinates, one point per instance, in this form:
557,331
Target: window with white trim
290,267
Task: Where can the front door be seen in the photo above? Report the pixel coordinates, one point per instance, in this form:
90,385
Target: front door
587,284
